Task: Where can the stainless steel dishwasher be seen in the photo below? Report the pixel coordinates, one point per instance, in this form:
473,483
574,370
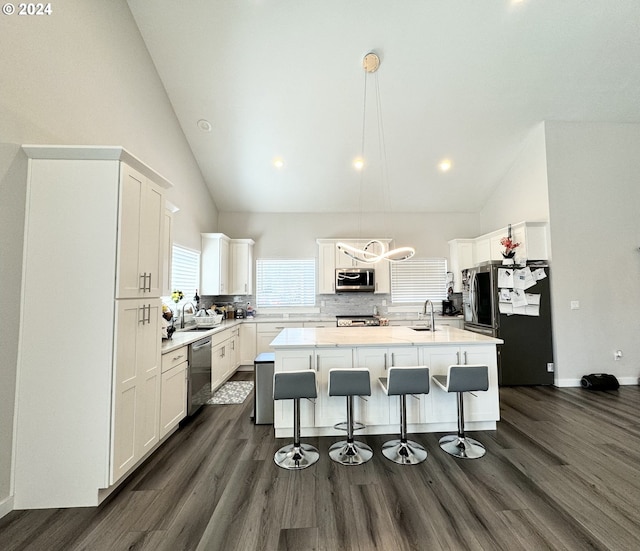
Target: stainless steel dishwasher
199,380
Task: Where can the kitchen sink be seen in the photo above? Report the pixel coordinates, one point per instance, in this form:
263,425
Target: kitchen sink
419,328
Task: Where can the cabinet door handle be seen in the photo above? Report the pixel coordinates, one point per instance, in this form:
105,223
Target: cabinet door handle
385,361
149,314
149,287
143,286
317,363
458,357
141,320
176,358
465,358
310,362
393,359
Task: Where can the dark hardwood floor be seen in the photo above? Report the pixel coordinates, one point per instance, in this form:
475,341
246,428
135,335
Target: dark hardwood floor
562,471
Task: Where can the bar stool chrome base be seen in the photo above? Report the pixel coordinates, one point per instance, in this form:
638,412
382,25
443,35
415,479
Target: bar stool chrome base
294,457
350,453
462,447
404,452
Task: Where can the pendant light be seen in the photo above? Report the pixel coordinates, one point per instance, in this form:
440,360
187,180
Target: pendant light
374,251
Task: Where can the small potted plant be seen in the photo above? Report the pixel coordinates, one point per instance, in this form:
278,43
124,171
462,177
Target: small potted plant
509,249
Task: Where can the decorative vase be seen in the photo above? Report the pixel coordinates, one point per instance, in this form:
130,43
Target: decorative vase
508,258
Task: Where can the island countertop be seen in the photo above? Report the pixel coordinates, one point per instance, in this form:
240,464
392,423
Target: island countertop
376,336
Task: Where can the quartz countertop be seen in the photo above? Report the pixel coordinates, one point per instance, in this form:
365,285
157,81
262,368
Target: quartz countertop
183,338
377,336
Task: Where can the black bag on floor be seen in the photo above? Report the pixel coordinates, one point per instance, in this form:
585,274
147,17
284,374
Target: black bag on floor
599,381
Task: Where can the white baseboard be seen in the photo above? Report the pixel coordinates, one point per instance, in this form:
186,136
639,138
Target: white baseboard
6,506
624,381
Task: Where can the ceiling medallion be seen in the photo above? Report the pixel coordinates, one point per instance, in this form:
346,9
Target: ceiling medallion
374,251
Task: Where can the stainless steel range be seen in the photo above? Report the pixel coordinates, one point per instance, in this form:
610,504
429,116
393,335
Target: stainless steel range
357,321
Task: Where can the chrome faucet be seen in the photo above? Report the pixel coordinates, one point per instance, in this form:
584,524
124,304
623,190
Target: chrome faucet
182,317
424,313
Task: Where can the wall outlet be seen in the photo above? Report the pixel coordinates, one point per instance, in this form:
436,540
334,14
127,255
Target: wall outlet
617,355
575,305
550,368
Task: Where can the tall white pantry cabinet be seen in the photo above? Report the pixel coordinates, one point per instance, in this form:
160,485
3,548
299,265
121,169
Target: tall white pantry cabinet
89,365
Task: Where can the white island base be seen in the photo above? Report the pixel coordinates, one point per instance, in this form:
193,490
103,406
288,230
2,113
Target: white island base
378,348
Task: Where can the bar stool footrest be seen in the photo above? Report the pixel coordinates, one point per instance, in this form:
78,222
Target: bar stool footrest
345,426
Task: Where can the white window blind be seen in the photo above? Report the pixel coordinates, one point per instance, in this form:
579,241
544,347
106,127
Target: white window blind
285,282
185,271
417,280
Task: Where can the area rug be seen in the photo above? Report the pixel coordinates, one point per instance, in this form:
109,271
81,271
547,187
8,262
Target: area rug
233,392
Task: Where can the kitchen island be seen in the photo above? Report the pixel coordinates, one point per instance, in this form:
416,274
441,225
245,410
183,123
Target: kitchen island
378,348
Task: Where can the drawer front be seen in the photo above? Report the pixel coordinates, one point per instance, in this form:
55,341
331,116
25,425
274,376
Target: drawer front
173,358
271,327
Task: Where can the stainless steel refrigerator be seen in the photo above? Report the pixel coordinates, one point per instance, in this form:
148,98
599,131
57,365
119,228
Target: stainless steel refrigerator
526,357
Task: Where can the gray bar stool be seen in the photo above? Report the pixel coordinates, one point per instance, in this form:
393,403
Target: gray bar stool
400,382
350,383
294,385
460,379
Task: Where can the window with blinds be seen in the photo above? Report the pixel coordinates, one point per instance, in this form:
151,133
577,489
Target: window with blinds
418,280
285,282
185,271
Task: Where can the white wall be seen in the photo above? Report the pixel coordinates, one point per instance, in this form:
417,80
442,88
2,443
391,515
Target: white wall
80,76
594,196
294,235
522,194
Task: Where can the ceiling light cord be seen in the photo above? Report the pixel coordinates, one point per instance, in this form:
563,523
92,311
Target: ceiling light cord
374,251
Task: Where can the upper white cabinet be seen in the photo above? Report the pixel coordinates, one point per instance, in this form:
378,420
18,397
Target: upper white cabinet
214,264
533,238
330,258
167,248
241,266
140,233
98,369
226,265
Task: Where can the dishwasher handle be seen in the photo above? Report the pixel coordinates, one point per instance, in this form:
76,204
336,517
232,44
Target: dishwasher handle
200,344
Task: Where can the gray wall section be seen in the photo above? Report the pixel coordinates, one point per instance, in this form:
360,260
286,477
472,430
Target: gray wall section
594,197
13,171
82,76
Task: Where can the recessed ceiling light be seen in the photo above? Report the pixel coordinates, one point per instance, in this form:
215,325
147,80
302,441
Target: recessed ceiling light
358,163
278,162
444,165
204,125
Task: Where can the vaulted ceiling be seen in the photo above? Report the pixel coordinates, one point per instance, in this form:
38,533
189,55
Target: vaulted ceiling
464,80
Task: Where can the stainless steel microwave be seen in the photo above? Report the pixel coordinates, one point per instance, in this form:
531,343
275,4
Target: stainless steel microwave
355,279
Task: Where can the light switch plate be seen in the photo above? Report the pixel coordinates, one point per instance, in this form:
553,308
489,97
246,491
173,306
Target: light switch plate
575,304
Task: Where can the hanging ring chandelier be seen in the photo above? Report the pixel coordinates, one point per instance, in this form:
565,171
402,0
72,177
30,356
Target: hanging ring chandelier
374,251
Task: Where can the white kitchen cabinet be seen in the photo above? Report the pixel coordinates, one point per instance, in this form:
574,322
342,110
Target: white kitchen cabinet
330,258
326,267
241,266
330,409
295,360
167,247
248,333
79,380
173,390
380,409
327,410
477,406
136,383
225,355
140,233
268,331
460,258
214,264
